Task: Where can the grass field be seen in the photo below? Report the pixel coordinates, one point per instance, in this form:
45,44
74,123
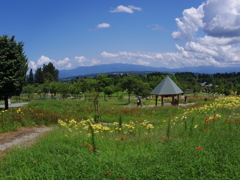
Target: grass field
193,142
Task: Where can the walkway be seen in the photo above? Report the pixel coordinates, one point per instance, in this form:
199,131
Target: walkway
165,104
14,105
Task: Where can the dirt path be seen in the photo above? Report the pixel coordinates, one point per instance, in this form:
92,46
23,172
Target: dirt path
24,137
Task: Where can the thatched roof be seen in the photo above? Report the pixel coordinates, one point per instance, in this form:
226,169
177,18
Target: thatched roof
166,87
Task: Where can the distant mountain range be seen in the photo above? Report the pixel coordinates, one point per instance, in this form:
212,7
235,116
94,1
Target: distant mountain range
127,68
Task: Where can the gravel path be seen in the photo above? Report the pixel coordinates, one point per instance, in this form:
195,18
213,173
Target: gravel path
22,137
14,105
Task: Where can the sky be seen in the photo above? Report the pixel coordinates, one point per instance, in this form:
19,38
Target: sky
156,33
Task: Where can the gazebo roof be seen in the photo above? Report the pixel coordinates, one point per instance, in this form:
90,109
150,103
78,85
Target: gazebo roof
167,87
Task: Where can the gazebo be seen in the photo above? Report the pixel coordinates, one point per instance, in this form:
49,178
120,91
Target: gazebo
167,88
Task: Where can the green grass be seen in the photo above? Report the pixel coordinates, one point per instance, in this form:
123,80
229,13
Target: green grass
167,151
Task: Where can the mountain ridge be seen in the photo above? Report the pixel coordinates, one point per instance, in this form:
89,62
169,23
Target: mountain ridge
123,68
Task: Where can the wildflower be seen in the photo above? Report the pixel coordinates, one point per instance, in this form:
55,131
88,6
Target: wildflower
105,128
199,148
115,123
165,139
227,120
121,138
149,126
87,144
195,126
107,172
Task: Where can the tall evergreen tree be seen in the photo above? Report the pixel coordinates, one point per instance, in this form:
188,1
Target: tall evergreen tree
39,76
30,77
50,73
13,68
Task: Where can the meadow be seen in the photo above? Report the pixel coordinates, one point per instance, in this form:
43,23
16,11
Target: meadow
115,140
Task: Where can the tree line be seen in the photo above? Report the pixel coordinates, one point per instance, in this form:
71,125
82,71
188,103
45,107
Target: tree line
139,85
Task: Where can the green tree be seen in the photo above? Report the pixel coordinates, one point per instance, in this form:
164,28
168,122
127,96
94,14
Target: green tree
39,76
141,89
30,79
89,85
13,68
50,73
102,82
63,89
53,88
108,90
30,89
128,83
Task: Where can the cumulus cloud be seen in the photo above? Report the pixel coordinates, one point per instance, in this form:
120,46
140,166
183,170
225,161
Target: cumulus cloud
222,18
217,18
189,24
220,21
103,25
66,63
127,9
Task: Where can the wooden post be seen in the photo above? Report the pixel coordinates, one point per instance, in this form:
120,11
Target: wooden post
156,100
162,100
177,99
172,100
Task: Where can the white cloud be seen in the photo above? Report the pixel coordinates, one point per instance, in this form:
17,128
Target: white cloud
66,63
217,18
222,18
126,9
44,60
83,61
103,25
220,21
188,25
135,8
108,55
63,64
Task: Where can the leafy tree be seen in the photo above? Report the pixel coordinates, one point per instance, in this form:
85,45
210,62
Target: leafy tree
141,89
102,82
63,89
53,88
13,68
89,85
128,83
30,89
108,90
46,88
39,90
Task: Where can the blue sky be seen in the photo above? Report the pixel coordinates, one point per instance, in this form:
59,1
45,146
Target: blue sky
158,33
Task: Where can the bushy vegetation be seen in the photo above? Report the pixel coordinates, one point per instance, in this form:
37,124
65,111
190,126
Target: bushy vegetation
193,142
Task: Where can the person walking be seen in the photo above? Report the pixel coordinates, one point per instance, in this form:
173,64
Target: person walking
139,101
